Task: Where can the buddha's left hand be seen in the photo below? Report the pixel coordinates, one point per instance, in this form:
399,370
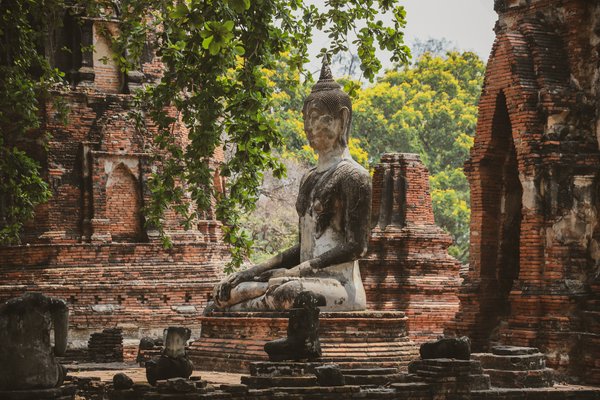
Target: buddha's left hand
301,270
272,273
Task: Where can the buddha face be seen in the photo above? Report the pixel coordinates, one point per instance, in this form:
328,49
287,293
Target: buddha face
323,130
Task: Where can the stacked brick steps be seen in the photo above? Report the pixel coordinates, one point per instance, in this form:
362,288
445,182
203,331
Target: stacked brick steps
449,376
412,390
516,367
264,382
106,346
372,376
293,378
231,341
298,378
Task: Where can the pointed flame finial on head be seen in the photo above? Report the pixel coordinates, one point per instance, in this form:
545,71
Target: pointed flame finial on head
326,81
325,69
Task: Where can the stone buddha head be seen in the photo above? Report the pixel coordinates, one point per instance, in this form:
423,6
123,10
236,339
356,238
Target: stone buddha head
327,113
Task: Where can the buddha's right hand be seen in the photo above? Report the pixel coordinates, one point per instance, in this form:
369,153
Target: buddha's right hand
222,291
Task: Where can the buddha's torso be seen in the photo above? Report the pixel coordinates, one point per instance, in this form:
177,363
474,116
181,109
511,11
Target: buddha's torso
321,211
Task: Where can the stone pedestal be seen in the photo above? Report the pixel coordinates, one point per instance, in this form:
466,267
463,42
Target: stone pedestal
516,367
231,341
450,376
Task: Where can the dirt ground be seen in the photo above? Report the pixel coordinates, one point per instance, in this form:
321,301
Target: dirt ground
139,375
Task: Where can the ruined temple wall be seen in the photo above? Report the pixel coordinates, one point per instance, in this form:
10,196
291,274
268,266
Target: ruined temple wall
534,176
141,288
89,244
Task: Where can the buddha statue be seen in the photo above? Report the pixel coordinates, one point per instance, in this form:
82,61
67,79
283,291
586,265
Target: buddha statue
333,206
28,357
173,361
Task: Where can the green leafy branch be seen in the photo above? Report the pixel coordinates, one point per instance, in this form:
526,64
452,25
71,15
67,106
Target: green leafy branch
215,54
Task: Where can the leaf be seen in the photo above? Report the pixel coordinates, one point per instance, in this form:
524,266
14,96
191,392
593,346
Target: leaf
214,48
206,42
239,50
228,25
180,11
239,6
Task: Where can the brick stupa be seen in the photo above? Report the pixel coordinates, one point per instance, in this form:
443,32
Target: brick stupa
408,266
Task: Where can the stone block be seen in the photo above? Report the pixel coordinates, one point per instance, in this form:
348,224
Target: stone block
329,375
262,382
511,362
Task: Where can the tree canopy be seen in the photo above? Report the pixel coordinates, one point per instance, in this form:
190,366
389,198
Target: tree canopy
215,55
429,108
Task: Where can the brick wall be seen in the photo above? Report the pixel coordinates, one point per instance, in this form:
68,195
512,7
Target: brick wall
141,288
533,173
88,244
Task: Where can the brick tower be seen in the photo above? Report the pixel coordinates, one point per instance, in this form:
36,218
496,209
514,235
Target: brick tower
534,176
89,244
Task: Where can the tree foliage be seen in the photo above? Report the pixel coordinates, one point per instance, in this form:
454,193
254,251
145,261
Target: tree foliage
215,55
25,77
428,108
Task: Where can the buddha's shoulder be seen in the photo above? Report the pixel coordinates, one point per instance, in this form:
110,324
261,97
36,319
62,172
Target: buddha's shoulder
349,171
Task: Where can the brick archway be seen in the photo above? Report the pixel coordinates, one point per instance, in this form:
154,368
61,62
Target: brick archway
123,205
498,170
501,217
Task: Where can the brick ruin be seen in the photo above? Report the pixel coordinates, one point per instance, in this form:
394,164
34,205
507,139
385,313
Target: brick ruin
533,278
407,266
89,244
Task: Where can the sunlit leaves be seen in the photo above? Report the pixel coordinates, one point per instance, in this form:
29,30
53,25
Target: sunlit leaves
217,35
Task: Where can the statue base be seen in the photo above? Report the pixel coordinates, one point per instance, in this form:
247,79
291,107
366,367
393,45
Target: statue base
230,341
66,392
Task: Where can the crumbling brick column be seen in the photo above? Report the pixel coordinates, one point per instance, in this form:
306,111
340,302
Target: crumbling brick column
408,267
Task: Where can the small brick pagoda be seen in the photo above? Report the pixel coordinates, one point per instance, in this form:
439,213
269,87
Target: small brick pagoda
408,267
88,244
534,173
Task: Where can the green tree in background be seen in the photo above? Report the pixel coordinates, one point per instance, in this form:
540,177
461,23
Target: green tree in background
429,108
